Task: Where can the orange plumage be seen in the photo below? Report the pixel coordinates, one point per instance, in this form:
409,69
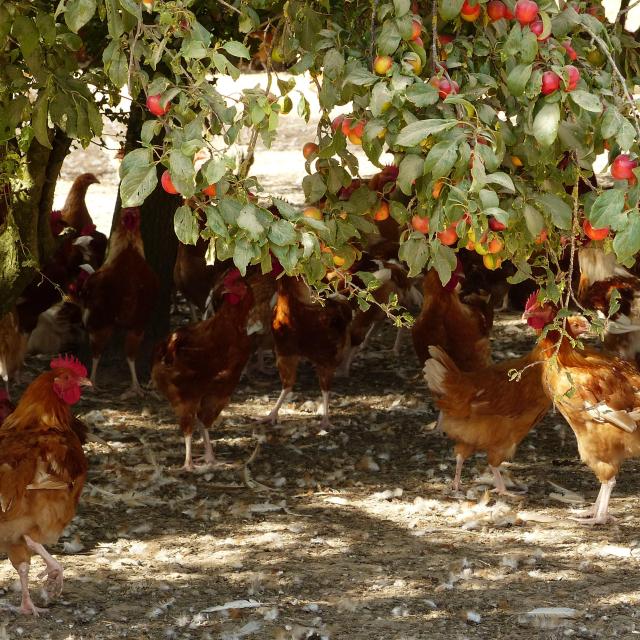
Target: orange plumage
461,329
42,472
483,410
121,294
199,366
599,396
303,328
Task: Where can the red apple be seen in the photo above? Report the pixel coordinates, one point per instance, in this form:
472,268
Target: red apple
496,225
382,64
211,190
444,39
167,183
356,131
496,10
574,77
155,107
550,83
420,224
309,149
570,50
537,27
526,11
416,29
622,168
594,234
336,123
444,87
346,125
470,11
449,236
418,41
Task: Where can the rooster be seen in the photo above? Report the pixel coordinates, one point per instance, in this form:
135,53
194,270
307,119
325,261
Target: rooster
598,395
42,472
198,367
13,347
483,410
121,294
460,328
303,328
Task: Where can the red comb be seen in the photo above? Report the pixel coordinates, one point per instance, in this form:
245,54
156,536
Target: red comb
71,363
3,394
232,275
532,300
56,215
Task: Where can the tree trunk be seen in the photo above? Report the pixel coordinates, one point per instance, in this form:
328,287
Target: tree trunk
158,235
25,236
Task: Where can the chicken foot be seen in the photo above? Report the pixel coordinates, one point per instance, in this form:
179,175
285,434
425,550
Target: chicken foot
26,606
325,423
54,570
272,417
599,512
135,389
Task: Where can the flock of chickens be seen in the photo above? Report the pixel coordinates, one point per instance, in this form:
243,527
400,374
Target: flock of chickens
198,366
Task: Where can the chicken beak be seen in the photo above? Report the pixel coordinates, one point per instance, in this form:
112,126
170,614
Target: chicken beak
84,382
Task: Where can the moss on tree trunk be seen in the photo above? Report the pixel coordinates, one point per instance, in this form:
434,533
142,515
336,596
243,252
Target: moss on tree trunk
25,236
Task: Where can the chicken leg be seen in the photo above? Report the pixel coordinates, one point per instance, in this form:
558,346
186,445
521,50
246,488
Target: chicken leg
456,480
599,512
54,570
26,606
272,416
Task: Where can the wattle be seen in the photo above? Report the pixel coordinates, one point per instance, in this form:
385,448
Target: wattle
70,395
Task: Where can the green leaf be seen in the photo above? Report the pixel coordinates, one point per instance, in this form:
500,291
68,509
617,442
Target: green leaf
626,244
501,179
534,220
411,168
237,49
388,39
185,225
285,209
78,13
444,261
561,212
626,135
587,101
360,77
489,199
416,132
514,40
546,123
182,173
518,78
39,119
607,210
449,9
380,99
248,221
415,252
216,222
214,169
611,122
137,184
528,47
242,255
314,187
26,33
401,7
440,159
422,94
282,233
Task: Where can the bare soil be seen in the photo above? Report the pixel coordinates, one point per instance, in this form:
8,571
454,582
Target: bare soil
357,535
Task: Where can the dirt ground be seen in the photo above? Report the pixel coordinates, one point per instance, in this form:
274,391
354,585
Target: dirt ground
356,536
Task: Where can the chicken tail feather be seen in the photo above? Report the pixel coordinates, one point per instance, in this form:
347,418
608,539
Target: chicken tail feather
437,368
